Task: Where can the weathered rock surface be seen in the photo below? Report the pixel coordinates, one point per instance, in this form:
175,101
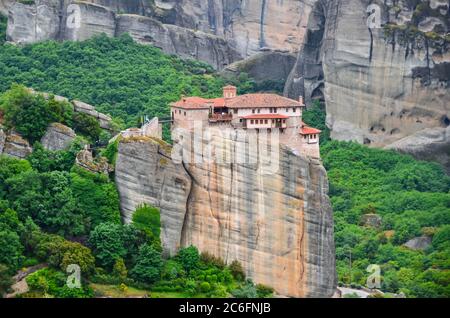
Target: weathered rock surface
381,84
81,107
4,6
172,39
2,140
270,66
431,144
58,137
14,145
278,225
419,243
215,31
145,173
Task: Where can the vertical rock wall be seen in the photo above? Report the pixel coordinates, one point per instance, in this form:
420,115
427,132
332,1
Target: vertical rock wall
278,225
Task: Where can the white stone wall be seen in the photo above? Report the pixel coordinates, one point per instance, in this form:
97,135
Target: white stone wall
281,111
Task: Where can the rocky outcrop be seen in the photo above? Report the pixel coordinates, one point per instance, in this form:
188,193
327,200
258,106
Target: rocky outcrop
380,84
279,225
431,144
104,120
419,243
86,160
14,145
57,137
172,39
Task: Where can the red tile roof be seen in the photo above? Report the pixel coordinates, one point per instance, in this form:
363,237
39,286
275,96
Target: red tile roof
243,101
306,130
266,116
262,101
198,103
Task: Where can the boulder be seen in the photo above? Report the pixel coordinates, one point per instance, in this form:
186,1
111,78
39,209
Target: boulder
16,146
371,220
419,243
58,137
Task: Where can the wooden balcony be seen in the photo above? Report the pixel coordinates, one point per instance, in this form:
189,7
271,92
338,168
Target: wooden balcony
216,118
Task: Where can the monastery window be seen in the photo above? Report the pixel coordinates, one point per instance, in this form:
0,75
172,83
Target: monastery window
259,111
253,111
266,121
252,121
236,111
184,113
294,109
287,110
284,121
275,110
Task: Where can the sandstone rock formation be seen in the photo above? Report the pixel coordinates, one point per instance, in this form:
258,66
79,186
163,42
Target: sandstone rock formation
431,144
264,67
279,225
172,39
380,84
57,137
215,31
145,173
104,120
13,145
419,243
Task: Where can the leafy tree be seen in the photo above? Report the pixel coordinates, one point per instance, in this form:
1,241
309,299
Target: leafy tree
48,199
189,258
10,167
87,126
30,114
442,238
107,244
148,266
5,279
75,253
10,249
120,270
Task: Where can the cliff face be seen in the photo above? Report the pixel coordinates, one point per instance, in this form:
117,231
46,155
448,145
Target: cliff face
218,32
279,224
382,84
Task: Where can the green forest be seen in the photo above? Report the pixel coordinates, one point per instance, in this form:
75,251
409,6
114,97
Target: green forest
55,213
